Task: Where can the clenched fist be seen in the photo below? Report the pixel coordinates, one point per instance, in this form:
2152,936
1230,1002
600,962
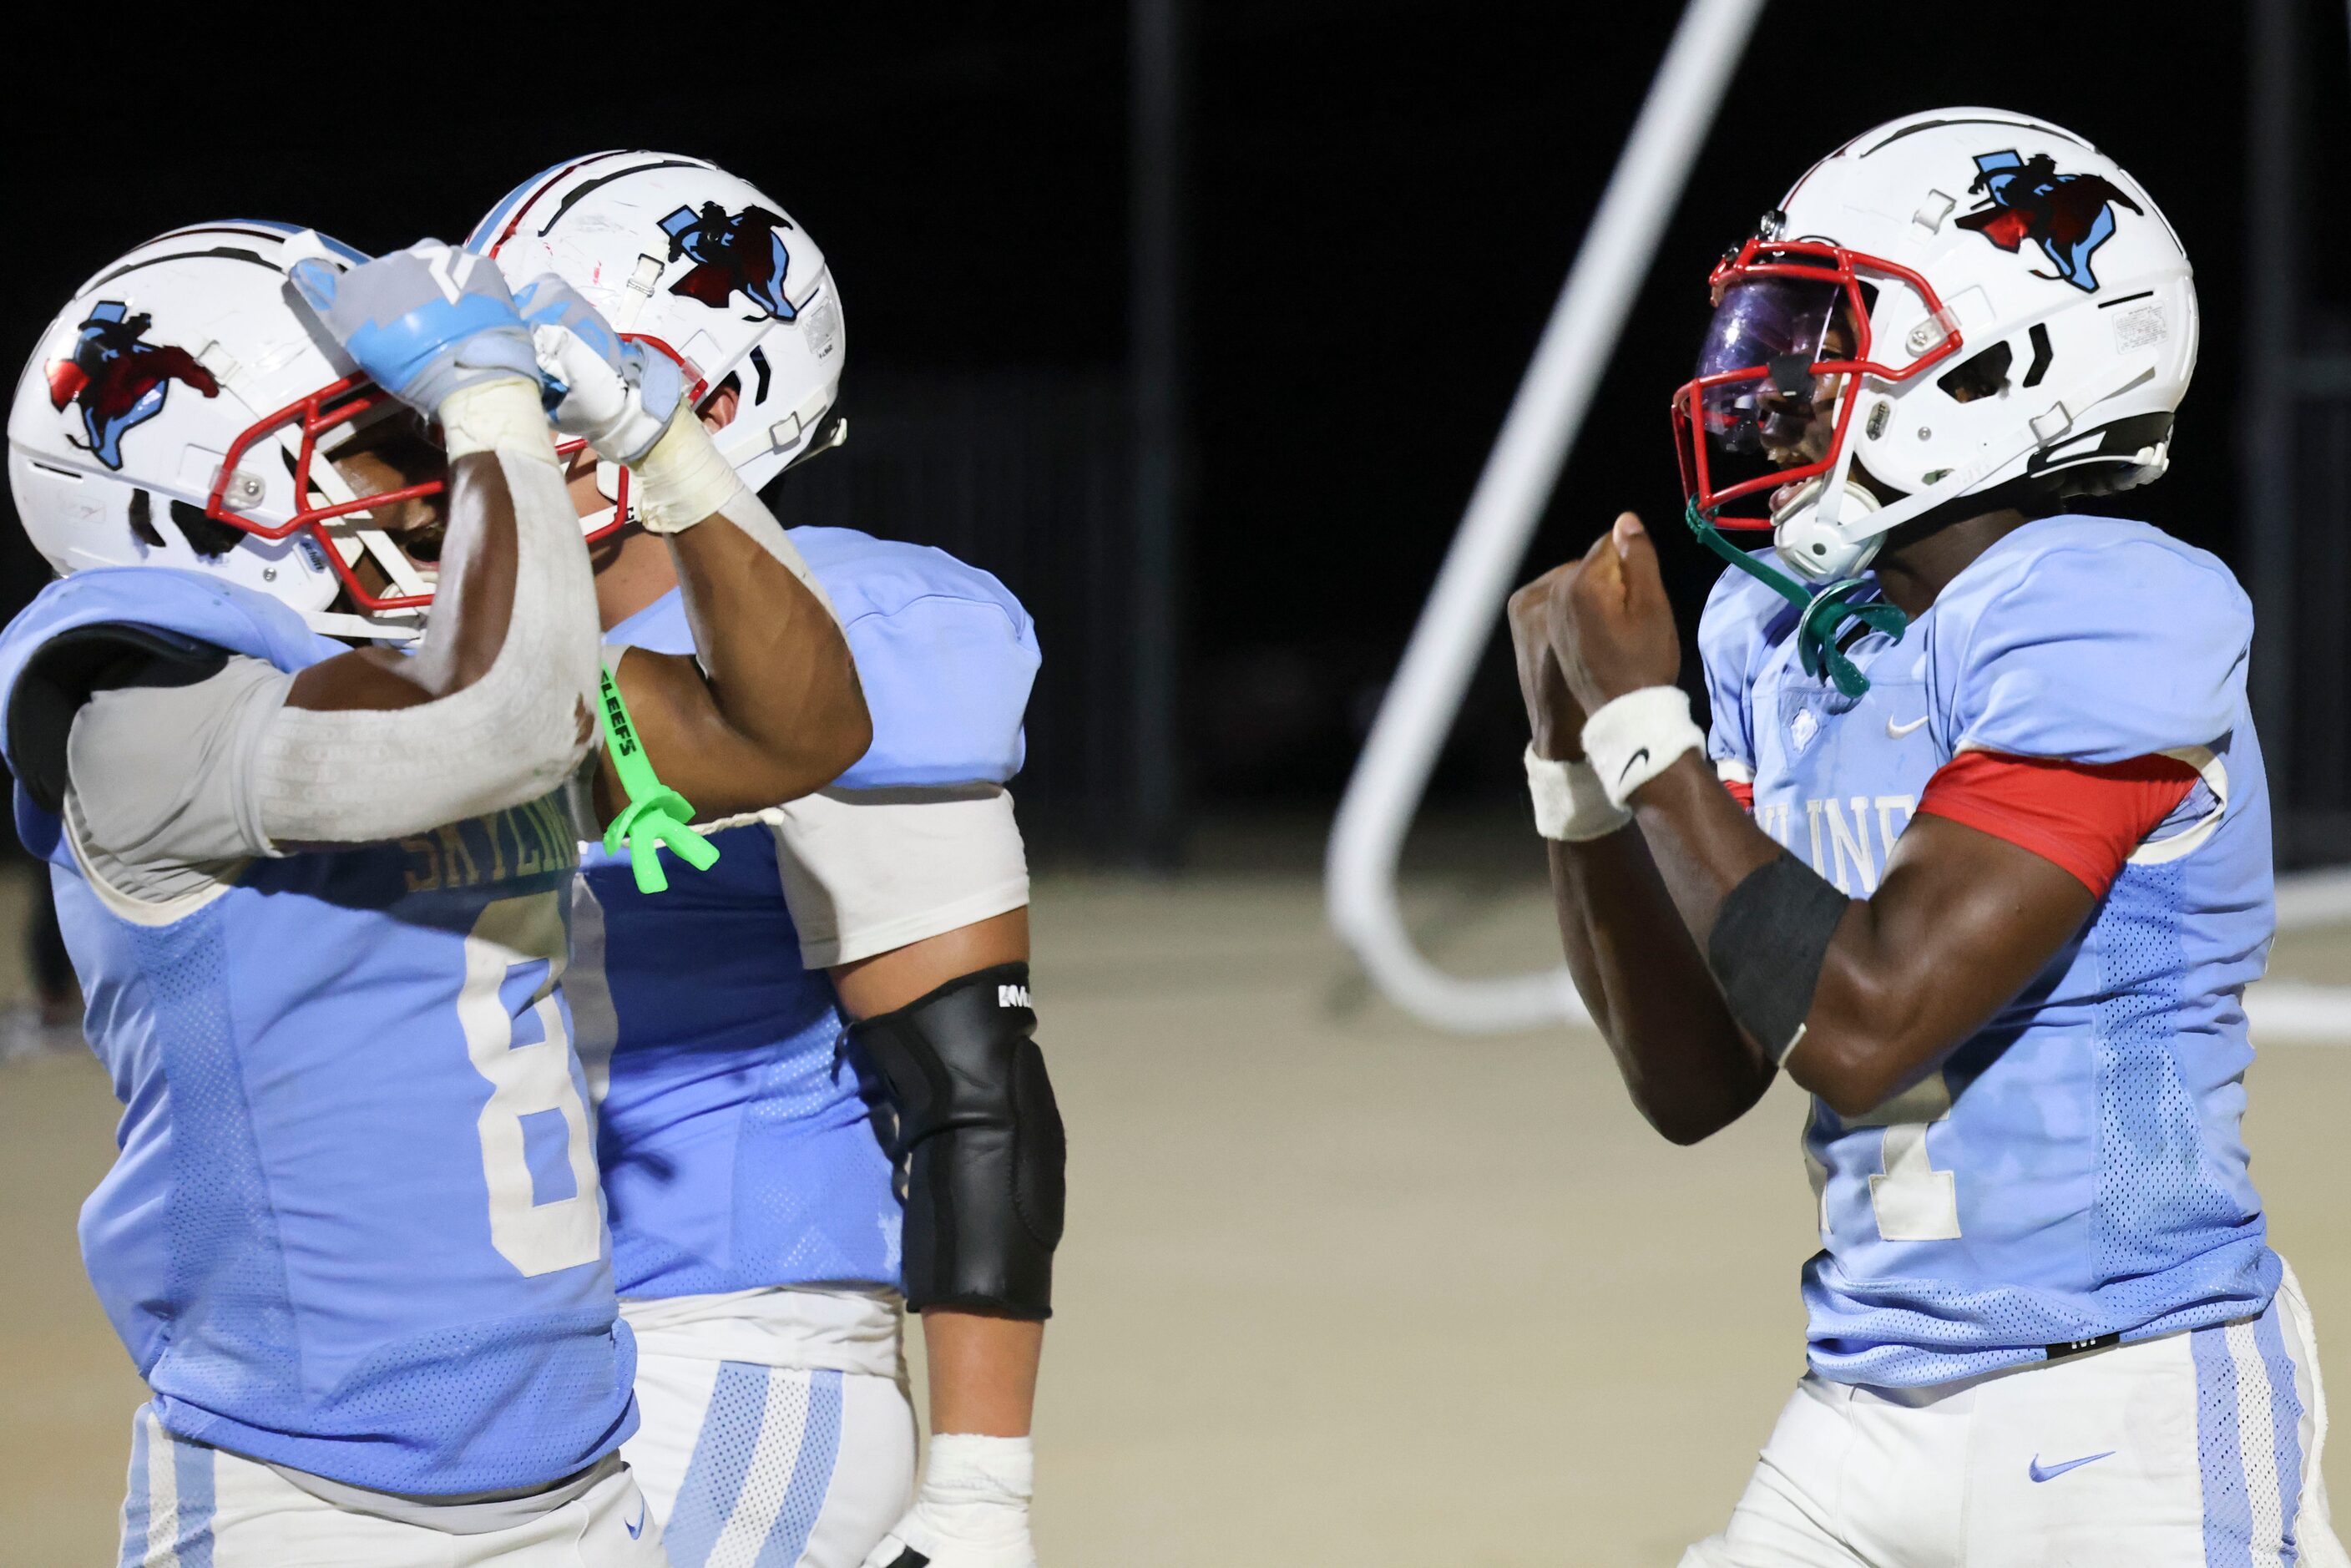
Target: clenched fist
1611,628
1552,712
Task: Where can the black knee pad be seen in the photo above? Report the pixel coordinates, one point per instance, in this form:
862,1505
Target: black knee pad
980,1140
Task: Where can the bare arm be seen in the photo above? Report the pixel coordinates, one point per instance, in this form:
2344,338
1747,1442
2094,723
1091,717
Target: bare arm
1688,1069
983,1369
771,709
1961,924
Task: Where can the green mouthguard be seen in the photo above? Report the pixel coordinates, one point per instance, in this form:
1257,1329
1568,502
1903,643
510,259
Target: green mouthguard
656,814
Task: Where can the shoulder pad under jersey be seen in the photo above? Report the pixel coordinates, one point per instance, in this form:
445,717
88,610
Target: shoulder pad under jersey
2089,638
157,609
945,651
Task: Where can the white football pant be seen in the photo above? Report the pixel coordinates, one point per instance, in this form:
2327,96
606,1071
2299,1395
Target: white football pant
2198,1449
191,1506
759,1463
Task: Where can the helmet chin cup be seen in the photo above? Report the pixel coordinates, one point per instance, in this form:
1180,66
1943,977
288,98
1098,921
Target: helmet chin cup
1822,551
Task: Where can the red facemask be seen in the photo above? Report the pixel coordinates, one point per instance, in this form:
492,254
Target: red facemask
337,406
1762,385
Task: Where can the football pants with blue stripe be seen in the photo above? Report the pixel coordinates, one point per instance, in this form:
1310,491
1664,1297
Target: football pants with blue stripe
753,1466
192,1506
2199,1448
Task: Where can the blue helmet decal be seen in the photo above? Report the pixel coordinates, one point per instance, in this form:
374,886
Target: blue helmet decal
2069,216
118,380
742,251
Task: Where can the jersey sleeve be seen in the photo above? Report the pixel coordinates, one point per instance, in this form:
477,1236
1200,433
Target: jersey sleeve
2085,818
865,872
160,774
1734,634
2102,652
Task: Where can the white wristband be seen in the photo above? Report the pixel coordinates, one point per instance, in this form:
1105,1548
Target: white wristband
683,478
1640,734
501,415
1570,804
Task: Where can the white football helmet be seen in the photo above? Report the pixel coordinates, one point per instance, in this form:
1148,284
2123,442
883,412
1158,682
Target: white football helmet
680,254
1948,304
179,412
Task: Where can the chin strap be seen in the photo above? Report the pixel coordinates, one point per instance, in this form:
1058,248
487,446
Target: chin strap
1826,612
655,814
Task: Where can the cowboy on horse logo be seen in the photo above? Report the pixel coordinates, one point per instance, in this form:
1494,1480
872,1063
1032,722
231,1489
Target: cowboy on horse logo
118,380
742,251
2069,216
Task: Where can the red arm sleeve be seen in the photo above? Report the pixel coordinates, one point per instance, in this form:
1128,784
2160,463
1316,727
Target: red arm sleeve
2086,818
1740,791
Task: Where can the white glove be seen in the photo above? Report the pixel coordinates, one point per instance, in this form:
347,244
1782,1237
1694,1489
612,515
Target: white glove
973,1510
612,391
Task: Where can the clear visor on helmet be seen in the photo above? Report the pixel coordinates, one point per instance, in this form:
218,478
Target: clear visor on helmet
1772,402
1784,325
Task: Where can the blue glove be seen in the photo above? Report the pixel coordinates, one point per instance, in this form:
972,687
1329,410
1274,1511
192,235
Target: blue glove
423,322
618,394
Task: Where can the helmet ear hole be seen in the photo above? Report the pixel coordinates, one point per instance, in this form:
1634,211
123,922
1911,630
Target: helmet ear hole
208,537
1980,376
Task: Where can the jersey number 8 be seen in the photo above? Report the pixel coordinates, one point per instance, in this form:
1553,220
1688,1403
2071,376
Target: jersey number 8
530,1082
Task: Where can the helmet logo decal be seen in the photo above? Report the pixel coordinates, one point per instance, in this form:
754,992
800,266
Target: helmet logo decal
117,380
2069,216
741,251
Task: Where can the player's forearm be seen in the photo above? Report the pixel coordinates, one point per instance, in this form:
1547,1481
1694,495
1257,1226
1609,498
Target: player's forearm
983,1372
780,669
494,710
1882,988
1687,1068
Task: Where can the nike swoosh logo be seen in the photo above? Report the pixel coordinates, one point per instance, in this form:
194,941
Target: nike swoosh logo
638,1528
2053,1471
1638,757
1898,730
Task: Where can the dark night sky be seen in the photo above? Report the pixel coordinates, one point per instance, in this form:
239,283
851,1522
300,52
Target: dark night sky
1386,195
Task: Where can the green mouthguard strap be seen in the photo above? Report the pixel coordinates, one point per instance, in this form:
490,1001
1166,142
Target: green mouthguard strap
1826,612
655,814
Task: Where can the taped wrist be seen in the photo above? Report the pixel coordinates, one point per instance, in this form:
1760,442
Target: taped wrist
1571,805
1769,941
515,735
965,1469
683,478
980,1140
1638,736
503,414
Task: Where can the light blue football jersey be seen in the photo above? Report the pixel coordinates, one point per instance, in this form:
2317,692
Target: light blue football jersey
735,1129
2077,1169
354,1225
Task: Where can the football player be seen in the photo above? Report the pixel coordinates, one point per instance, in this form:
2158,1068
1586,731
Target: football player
868,941
1976,850
317,896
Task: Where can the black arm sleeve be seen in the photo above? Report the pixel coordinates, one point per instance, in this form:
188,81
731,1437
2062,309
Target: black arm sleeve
980,1139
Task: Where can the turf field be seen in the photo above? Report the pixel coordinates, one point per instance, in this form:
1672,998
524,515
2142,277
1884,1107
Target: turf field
1336,1289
